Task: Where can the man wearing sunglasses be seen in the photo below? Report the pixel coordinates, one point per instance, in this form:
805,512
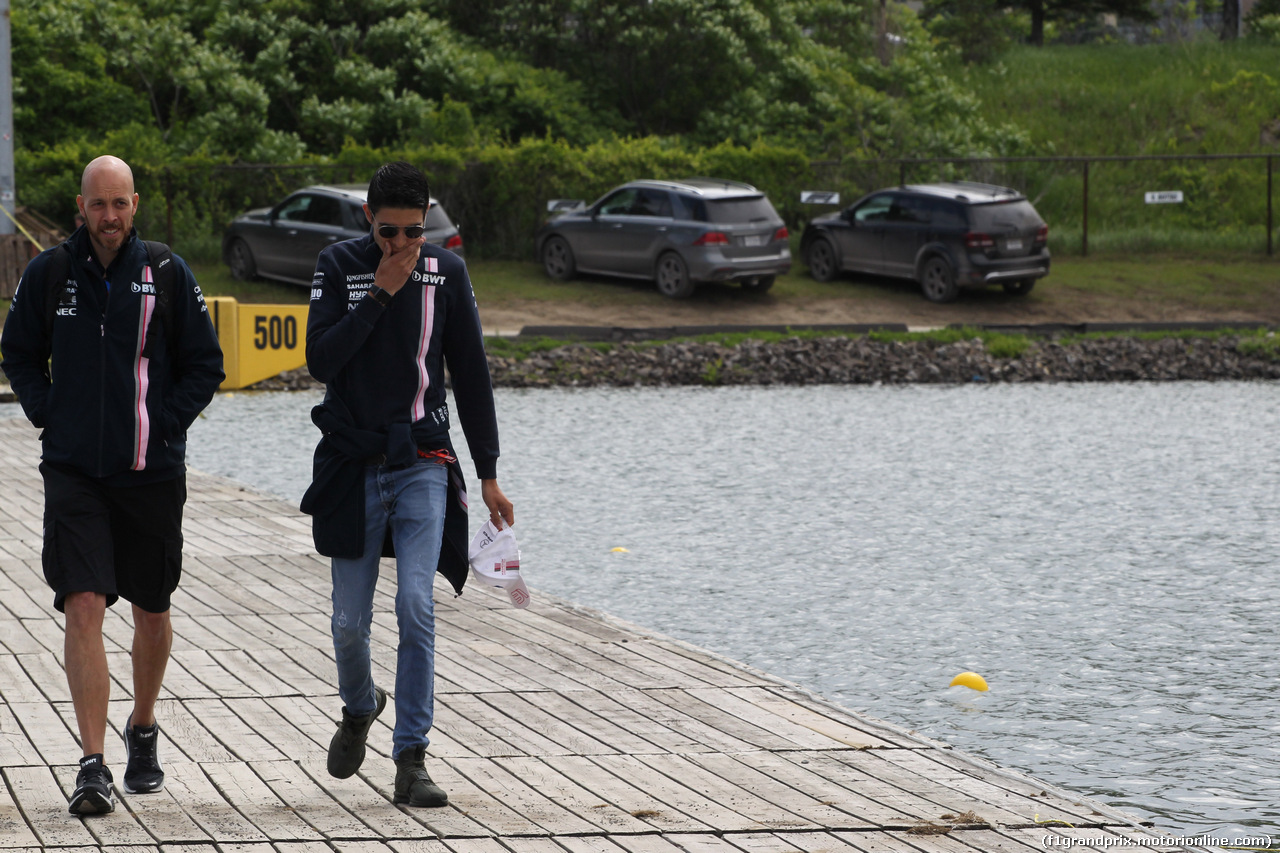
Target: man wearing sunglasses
389,312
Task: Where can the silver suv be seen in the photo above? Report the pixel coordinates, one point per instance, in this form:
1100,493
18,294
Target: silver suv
944,236
677,233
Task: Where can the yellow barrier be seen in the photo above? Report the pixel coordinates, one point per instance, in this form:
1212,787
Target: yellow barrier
258,341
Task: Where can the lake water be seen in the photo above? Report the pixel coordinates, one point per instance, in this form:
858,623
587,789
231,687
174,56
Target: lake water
1107,556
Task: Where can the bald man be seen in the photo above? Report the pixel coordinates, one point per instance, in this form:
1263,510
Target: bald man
114,404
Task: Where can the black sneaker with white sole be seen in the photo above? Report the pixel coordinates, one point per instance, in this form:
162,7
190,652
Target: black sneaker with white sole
143,774
93,794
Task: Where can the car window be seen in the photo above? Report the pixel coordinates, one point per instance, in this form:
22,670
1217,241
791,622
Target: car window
744,209
689,208
1011,214
618,203
910,210
437,218
652,203
946,214
874,209
324,210
295,209
355,218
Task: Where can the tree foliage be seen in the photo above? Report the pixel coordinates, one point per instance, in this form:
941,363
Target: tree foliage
275,80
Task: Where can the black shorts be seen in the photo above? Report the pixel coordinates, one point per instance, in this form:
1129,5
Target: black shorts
122,541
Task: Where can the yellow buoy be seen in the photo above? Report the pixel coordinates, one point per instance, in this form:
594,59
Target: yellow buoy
619,550
969,679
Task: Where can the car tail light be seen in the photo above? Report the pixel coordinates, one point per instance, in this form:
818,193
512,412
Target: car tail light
454,242
978,240
782,233
712,238
1042,235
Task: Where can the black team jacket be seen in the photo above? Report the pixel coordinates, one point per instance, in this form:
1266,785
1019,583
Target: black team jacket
110,410
384,372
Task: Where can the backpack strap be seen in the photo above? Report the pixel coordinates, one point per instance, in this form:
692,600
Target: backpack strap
56,273
164,274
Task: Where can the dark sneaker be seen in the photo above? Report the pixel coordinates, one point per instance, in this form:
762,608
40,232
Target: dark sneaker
143,774
413,785
93,794
346,750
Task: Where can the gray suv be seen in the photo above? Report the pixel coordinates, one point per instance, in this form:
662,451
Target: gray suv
677,233
282,242
945,236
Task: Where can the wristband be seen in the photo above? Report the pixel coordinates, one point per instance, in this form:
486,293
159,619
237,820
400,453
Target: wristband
380,296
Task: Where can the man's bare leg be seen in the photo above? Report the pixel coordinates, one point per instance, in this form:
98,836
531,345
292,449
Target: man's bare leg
86,661
152,642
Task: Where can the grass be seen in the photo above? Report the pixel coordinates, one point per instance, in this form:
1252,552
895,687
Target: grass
1126,287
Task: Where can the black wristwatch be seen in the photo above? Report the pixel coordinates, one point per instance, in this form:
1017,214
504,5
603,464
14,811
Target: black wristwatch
380,296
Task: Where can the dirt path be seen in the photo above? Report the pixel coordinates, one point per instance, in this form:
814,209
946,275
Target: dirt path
877,305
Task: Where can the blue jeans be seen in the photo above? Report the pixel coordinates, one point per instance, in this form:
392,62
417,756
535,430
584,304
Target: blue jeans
411,501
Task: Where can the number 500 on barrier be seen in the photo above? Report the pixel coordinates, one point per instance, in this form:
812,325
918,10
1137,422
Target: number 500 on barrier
258,341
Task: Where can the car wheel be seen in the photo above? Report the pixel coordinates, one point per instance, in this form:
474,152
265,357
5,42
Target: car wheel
1019,288
240,259
821,258
557,259
937,281
672,277
759,284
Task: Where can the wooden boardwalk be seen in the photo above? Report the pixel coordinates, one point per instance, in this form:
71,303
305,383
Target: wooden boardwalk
557,730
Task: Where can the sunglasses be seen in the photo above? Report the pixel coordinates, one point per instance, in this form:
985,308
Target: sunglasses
413,232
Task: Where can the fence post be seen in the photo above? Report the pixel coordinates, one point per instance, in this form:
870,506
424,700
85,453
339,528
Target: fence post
168,205
1270,220
1084,229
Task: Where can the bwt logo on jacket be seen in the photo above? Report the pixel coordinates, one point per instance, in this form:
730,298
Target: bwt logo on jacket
145,287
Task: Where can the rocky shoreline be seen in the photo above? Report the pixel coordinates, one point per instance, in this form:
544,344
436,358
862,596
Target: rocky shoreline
861,360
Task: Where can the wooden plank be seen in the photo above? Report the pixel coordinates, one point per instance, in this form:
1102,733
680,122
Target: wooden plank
206,807
421,845
818,812
376,811
568,793
525,709
840,769
14,832
603,729
310,801
981,797
804,727
248,671
47,675
259,805
764,813
15,748
620,710
43,803
631,794
46,731
233,733
207,671
508,789
494,734
672,794
792,769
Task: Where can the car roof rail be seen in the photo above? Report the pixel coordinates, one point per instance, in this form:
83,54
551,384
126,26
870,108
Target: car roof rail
724,182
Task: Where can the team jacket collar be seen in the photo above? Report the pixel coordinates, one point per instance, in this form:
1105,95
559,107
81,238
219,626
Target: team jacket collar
79,240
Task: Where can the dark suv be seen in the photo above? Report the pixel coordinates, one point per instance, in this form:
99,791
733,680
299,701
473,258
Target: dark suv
944,236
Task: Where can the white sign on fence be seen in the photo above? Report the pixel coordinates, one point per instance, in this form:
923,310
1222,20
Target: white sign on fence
819,197
1165,197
